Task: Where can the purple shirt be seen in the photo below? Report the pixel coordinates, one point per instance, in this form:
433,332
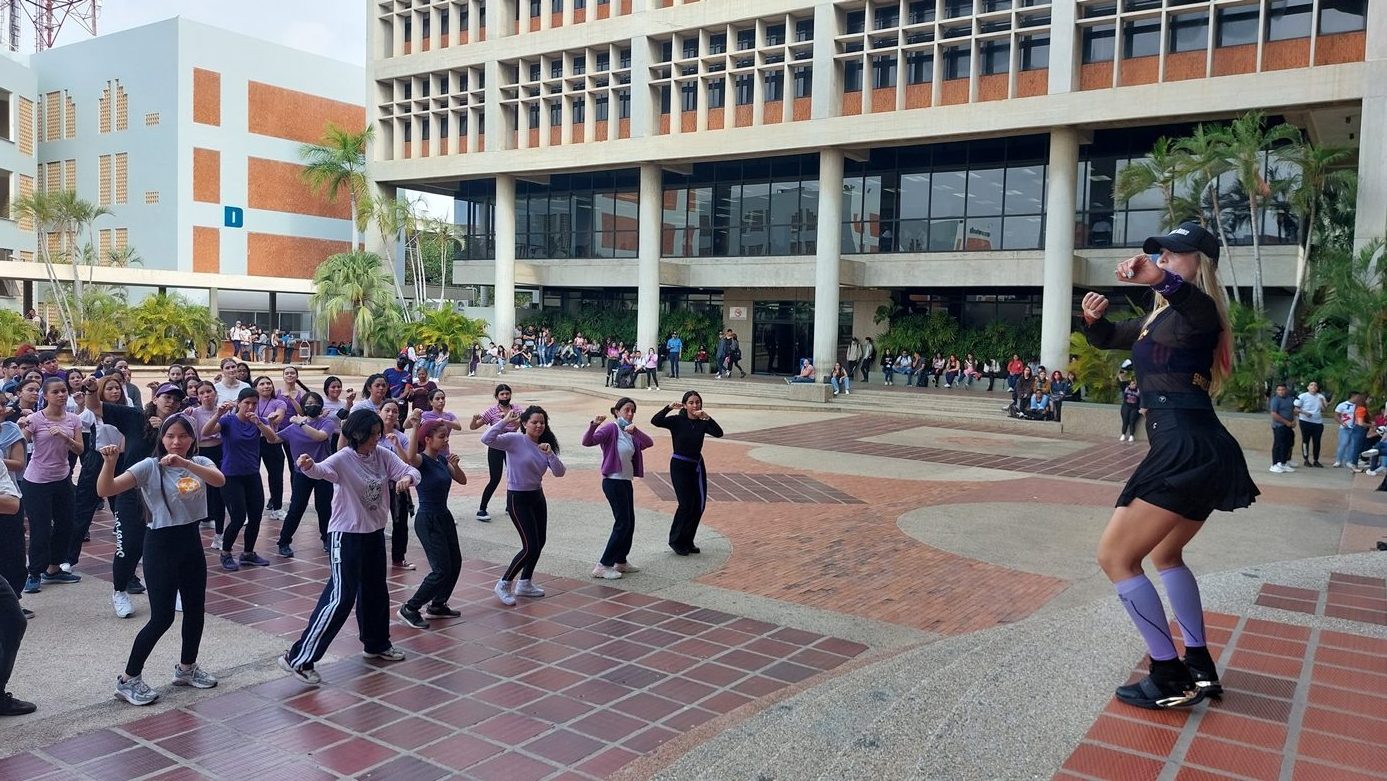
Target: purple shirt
200,416
361,503
267,407
240,446
49,462
607,436
525,464
300,443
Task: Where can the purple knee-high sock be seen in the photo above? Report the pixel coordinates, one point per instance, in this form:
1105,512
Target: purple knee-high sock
1144,606
1183,592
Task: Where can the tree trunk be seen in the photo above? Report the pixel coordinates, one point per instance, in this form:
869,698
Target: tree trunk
351,199
1227,250
1258,294
1302,268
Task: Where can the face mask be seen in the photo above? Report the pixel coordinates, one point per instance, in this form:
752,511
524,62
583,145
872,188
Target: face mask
622,423
312,410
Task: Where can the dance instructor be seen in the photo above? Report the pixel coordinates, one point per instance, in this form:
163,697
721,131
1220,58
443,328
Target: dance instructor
686,469
1182,352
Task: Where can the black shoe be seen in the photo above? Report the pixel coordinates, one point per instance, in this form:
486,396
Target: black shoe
286,551
10,706
134,586
1318,465
679,551
411,616
1203,671
1307,462
694,549
1168,686
29,615
441,611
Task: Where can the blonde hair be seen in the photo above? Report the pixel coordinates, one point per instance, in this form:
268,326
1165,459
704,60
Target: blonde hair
1206,279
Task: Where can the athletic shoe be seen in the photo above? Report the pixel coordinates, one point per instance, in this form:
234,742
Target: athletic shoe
524,588
1122,438
195,677
121,601
695,549
441,611
229,563
1307,462
1203,671
216,542
626,567
306,675
254,559
135,691
412,617
607,573
32,585
1286,465
13,706
391,654
483,516
275,515
1317,465
1169,685
135,586
1277,469
1369,453
29,615
1336,464
401,565
503,593
61,577
65,567
286,552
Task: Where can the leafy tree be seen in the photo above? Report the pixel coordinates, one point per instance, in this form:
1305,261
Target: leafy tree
1203,151
1095,370
105,321
1352,315
389,330
337,165
445,325
1245,139
392,218
1163,169
1320,168
355,282
1255,356
15,330
42,209
164,325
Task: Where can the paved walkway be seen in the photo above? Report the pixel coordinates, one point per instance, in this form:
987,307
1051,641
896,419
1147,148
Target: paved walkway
876,596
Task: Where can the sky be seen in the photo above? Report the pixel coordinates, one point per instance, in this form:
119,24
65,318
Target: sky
332,28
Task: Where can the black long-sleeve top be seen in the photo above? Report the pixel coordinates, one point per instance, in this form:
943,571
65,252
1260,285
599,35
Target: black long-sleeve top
1175,353
687,433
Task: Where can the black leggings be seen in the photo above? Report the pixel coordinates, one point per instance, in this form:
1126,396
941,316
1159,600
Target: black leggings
13,625
1310,435
272,456
174,565
401,507
302,486
130,529
530,514
49,507
12,569
438,533
1131,415
495,463
622,499
244,498
216,505
85,502
690,488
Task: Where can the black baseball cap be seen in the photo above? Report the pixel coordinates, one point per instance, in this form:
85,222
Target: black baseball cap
1188,237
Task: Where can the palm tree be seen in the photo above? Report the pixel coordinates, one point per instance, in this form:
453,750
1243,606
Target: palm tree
1320,167
337,164
1204,152
1247,138
42,209
391,217
1353,294
163,325
15,330
1163,169
446,325
77,217
355,282
446,234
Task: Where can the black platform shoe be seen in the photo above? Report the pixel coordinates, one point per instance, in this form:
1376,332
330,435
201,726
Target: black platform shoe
1203,671
1168,686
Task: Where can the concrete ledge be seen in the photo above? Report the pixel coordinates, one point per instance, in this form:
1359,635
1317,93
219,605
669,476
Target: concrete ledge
808,391
488,370
1251,429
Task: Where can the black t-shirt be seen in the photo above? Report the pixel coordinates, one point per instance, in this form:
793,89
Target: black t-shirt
134,426
687,433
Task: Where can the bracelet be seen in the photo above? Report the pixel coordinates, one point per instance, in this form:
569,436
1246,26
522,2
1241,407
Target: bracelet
1169,284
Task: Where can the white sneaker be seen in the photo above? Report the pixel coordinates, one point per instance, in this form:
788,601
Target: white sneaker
626,568
121,601
65,567
606,573
1122,438
1369,453
216,543
503,593
848,392
1276,468
1285,467
1337,464
524,588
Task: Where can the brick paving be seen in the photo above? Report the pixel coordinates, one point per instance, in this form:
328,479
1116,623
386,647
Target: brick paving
757,487
1350,597
1299,703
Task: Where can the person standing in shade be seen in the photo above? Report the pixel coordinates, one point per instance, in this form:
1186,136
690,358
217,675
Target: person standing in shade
621,444
1282,409
242,431
209,446
1182,352
173,482
495,457
310,433
13,622
363,474
437,531
1310,407
531,452
1130,411
869,351
687,472
394,439
675,346
48,490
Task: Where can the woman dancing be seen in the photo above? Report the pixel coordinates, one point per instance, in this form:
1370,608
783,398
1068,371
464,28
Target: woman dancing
1182,352
621,444
531,452
495,457
438,532
686,468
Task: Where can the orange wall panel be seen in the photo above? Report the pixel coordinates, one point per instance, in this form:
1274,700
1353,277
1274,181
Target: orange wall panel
1340,47
1231,60
297,116
1139,70
207,175
580,15
461,37
773,112
918,95
207,250
716,118
802,109
534,138
408,47
852,104
534,24
1032,83
424,45
207,97
555,20
688,121
953,92
1184,65
743,116
1095,75
664,125
273,255
603,11
278,186
481,142
625,6
1281,55
555,136
993,86
600,132
883,100
623,128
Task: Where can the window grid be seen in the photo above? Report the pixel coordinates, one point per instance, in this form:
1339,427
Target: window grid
558,87
432,114
414,26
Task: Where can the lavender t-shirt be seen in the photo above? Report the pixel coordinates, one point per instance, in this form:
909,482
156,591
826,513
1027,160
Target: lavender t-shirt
49,462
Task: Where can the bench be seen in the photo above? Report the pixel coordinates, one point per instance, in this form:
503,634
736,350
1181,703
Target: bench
808,391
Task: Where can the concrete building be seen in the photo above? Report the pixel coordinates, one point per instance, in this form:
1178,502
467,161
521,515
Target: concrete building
798,164
17,163
189,134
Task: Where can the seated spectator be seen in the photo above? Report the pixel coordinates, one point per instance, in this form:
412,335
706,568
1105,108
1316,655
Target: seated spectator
904,365
701,360
970,370
888,368
806,372
937,368
521,358
953,371
840,380
1039,407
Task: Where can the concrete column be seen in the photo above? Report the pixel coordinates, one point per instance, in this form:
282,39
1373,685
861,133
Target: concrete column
827,100
1371,219
505,260
1064,55
213,305
643,105
1057,298
827,258
648,273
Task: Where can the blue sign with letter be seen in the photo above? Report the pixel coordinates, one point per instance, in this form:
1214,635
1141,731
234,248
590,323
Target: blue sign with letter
235,217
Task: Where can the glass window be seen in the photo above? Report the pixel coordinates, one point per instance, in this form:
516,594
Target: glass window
1237,26
1287,19
1098,43
580,110
774,86
690,47
804,30
1025,189
883,71
919,67
688,97
534,115
1035,52
947,192
804,81
985,191
555,114
994,57
946,235
983,234
746,89
855,22
852,76
664,98
555,69
775,35
1339,16
623,105
600,104
1189,32
746,39
887,16
1022,232
717,93
956,62
1141,38
920,11
953,8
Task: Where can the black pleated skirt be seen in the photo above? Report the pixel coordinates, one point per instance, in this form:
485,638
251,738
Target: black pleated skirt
1194,466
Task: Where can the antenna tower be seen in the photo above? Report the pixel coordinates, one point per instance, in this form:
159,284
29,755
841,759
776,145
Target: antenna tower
48,18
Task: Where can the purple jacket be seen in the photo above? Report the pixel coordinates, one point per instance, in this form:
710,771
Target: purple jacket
605,435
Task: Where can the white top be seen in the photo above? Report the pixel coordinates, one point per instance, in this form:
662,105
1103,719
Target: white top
1310,406
225,394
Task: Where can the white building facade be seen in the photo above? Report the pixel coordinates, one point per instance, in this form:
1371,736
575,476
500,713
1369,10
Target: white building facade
17,166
